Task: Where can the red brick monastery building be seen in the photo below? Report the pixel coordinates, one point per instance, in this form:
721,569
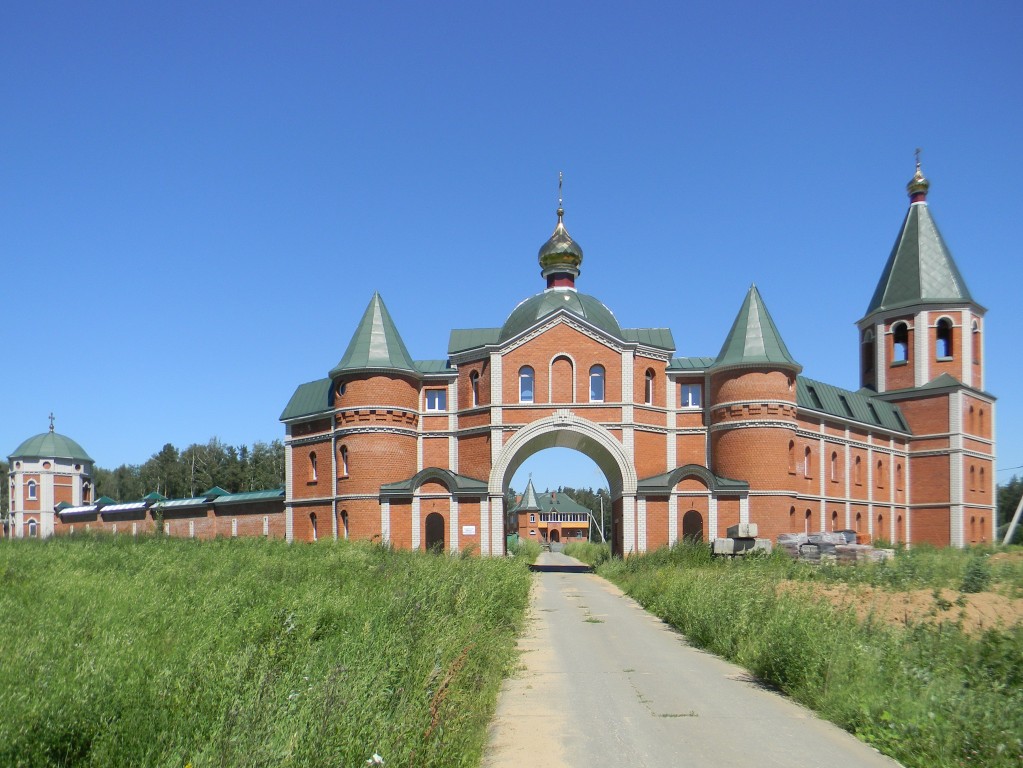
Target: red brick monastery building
419,453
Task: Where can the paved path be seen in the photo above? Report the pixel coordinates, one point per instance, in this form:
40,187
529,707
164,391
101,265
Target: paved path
604,683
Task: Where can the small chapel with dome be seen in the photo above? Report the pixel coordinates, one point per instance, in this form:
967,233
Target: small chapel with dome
48,472
419,453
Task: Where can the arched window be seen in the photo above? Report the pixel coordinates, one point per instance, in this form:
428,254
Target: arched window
597,384
834,520
792,518
312,466
943,340
312,525
343,527
86,493
859,522
474,382
880,474
807,463
562,380
806,521
981,486
879,531
980,422
31,487
343,450
900,343
834,466
975,327
33,529
792,457
898,476
648,391
526,380
868,351
971,421
858,471
973,478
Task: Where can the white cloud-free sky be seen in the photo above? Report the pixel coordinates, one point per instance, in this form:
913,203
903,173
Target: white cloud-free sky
197,200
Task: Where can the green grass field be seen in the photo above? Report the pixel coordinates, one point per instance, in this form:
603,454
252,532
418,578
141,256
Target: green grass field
164,652
928,695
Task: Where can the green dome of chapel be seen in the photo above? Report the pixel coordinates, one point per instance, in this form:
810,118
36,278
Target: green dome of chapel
50,445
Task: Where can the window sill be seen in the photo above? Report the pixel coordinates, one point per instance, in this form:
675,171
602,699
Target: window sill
899,363
944,359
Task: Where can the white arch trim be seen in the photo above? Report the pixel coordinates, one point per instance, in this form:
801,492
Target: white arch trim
563,429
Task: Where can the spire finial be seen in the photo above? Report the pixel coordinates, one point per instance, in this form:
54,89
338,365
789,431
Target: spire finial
561,208
918,185
51,421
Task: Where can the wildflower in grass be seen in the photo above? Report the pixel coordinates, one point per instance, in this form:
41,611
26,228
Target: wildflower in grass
375,760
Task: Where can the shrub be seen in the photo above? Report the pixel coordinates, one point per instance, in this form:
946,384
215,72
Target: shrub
977,576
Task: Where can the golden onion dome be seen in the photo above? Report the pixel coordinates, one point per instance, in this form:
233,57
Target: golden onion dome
560,254
918,185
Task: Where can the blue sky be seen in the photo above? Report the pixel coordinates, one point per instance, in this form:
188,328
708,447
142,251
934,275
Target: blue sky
198,200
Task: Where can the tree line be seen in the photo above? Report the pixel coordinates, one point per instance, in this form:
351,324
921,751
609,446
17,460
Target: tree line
197,468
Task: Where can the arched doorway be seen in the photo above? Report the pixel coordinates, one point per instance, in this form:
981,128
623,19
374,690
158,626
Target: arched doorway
566,430
555,536
692,526
435,532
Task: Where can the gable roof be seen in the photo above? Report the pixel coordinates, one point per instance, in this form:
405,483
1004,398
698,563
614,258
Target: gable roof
754,339
376,343
920,268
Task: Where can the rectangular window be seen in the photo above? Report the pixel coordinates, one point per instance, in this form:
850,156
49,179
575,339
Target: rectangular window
436,399
692,396
532,517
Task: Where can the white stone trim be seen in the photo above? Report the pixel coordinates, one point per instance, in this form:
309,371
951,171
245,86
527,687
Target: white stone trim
673,519
417,523
712,518
921,349
453,525
385,522
564,421
880,356
628,524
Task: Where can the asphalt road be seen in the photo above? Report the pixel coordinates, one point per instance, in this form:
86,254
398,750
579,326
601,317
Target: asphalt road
604,683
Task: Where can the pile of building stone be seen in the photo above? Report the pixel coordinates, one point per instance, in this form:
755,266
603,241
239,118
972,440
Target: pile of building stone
834,547
741,540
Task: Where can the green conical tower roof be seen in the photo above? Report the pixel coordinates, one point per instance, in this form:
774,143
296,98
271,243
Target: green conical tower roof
754,339
920,269
376,343
529,502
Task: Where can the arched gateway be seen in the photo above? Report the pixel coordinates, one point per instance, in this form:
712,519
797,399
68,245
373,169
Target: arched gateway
420,453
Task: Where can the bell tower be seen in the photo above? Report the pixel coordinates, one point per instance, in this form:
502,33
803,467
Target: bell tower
922,348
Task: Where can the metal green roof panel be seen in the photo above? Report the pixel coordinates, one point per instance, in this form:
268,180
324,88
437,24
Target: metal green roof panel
846,404
433,366
754,338
376,343
50,445
659,338
309,399
691,363
463,339
534,309
920,268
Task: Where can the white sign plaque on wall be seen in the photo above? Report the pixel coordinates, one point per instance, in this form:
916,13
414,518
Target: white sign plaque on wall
468,530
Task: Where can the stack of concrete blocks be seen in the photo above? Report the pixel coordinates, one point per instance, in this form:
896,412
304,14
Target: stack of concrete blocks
741,540
830,547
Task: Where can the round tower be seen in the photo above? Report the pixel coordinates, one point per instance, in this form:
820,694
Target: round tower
753,411
47,472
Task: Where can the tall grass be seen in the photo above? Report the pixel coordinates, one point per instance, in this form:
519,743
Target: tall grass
165,652
589,552
926,696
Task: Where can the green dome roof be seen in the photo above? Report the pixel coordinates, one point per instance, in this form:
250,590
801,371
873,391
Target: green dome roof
535,308
50,445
